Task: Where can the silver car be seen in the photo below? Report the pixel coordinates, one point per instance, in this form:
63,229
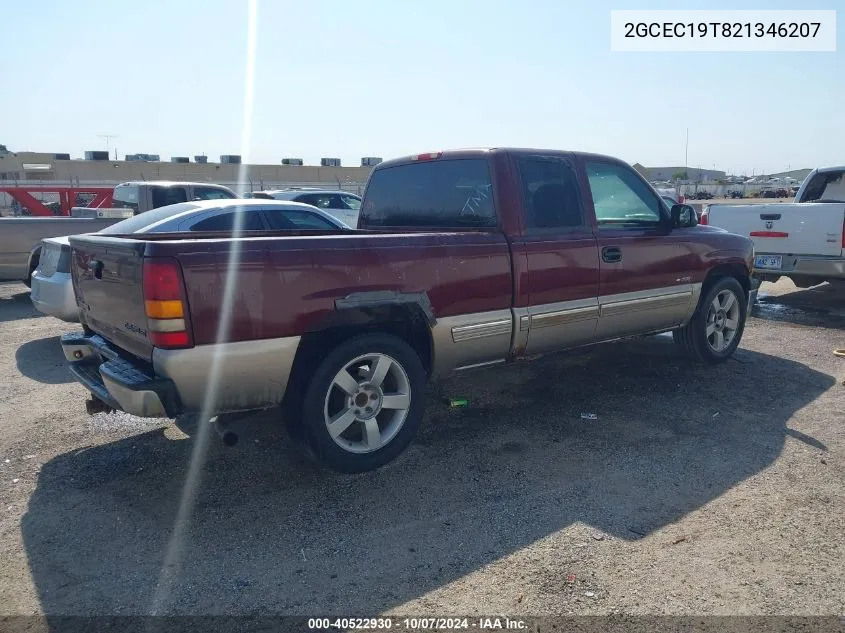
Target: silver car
52,287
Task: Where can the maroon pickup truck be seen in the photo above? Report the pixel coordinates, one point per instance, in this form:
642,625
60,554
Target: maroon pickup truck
461,259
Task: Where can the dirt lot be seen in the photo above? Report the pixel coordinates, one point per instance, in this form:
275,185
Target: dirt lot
696,491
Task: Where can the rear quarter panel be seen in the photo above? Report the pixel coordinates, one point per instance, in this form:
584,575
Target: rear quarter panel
284,286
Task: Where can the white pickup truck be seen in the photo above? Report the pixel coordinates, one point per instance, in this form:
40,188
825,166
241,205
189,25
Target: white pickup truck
803,240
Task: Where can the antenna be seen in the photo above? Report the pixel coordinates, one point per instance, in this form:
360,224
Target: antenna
108,138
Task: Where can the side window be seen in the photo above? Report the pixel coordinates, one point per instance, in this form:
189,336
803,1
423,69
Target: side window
297,221
320,201
211,193
163,196
550,191
621,199
352,202
226,222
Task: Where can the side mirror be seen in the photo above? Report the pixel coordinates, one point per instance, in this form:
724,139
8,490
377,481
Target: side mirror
683,216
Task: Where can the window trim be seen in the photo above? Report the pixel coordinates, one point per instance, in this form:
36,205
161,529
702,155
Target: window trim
585,227
664,222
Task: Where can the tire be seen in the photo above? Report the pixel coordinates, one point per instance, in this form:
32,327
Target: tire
693,337
374,420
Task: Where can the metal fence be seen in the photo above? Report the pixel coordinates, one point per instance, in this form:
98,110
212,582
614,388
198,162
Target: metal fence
8,206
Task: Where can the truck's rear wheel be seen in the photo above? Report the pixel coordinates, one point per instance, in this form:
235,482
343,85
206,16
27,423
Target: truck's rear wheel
364,403
715,330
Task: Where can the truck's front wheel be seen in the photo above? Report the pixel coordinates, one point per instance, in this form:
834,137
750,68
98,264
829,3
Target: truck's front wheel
364,403
714,332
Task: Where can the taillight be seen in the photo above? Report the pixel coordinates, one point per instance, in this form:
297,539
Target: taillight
428,156
705,217
164,304
681,199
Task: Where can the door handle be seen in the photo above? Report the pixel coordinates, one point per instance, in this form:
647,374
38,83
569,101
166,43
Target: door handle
611,254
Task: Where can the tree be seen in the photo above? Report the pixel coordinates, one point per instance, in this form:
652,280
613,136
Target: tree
3,149
680,175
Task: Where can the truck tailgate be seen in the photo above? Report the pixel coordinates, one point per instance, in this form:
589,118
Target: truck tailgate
108,282
806,228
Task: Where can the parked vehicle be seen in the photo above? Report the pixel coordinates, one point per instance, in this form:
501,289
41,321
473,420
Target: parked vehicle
20,238
803,240
52,288
671,194
462,259
735,193
341,204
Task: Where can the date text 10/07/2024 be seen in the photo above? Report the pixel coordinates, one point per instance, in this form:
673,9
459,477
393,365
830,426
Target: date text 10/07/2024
418,624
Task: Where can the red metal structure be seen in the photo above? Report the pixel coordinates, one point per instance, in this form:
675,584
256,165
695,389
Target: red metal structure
67,198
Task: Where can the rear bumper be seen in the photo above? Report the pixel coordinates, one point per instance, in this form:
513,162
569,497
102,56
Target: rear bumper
122,384
806,265
251,375
54,296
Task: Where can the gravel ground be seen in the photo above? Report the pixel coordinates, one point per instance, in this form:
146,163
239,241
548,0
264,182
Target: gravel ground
697,490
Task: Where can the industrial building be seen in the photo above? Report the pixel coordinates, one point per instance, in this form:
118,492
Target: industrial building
49,168
667,173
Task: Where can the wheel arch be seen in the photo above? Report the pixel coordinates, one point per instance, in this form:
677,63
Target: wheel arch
736,270
32,262
407,316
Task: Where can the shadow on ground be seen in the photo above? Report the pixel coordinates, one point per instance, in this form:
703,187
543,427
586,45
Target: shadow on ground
271,533
44,361
17,306
819,306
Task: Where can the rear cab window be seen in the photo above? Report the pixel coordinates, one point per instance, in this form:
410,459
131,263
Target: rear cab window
126,197
443,193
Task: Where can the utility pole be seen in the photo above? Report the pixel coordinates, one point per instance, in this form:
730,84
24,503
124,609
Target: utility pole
108,138
686,152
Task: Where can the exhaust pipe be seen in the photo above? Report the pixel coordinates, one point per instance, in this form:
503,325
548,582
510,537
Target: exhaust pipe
95,405
228,436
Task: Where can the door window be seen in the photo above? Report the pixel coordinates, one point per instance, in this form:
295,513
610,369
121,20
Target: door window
226,221
163,196
550,191
297,221
621,199
211,193
321,201
351,202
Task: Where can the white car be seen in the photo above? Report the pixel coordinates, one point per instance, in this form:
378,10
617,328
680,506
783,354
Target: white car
343,205
52,286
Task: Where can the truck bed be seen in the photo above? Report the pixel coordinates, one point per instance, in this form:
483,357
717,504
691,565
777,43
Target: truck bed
286,285
18,236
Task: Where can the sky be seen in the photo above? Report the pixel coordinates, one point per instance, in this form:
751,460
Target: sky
343,78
